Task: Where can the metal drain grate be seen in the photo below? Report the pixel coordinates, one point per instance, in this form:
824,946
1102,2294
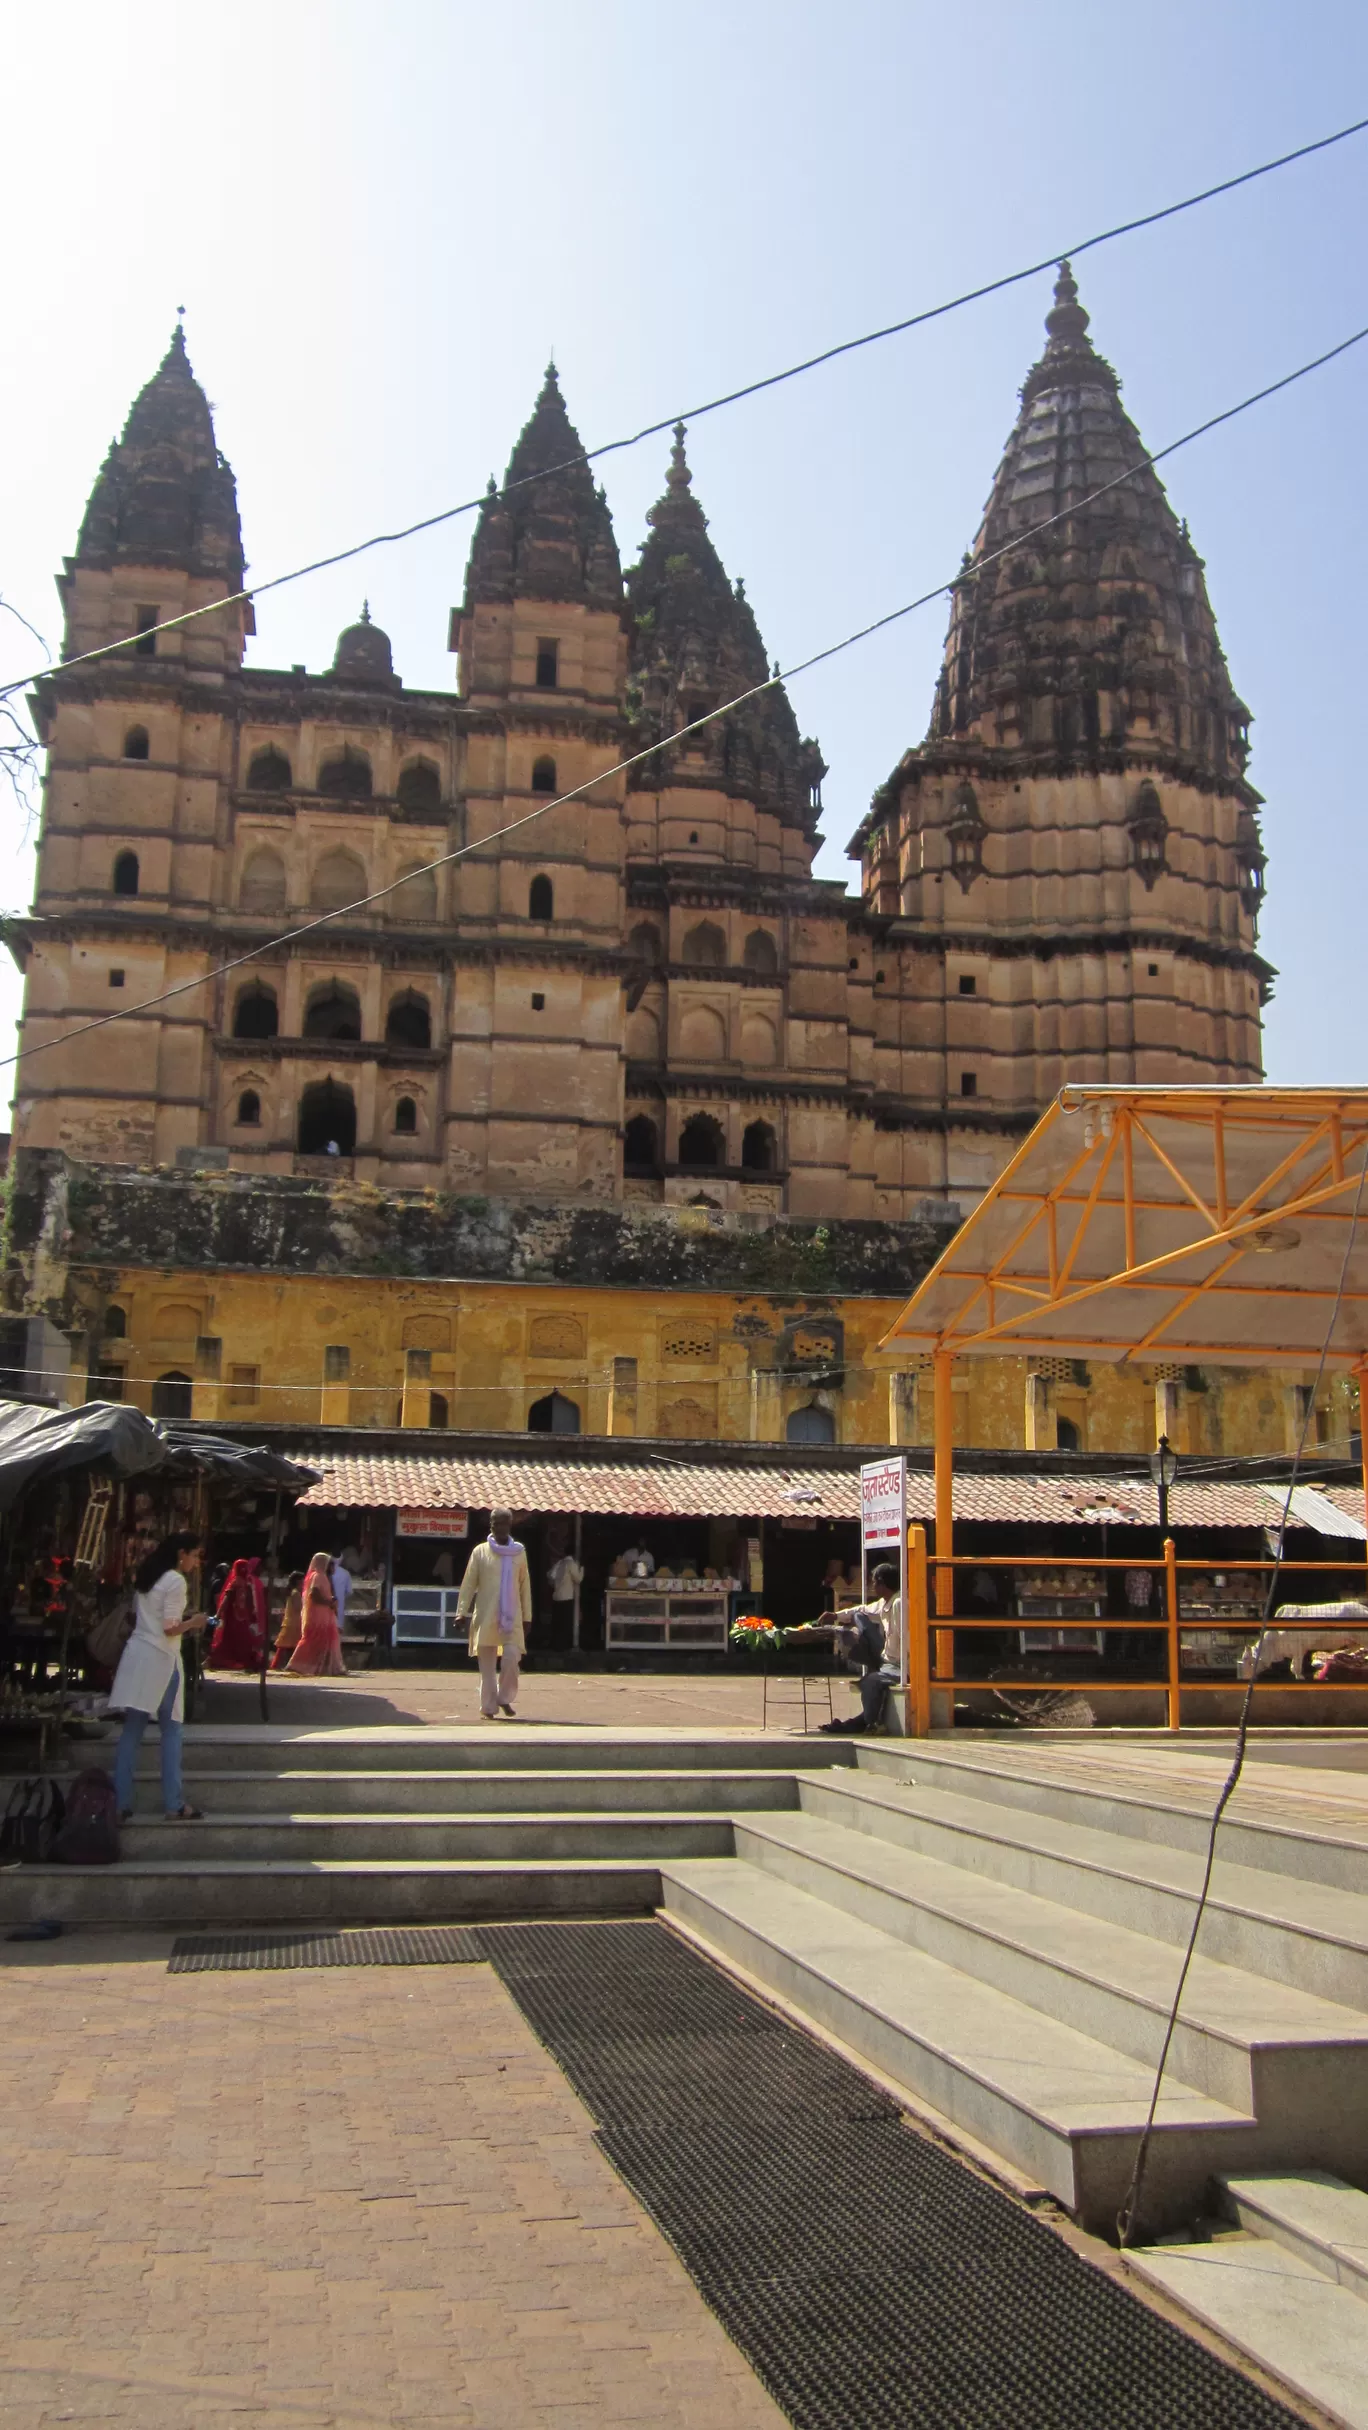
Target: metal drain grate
383,1945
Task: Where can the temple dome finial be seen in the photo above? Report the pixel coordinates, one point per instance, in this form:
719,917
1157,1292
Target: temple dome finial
679,477
1067,319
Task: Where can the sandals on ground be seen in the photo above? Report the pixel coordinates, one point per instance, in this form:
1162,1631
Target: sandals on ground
186,1814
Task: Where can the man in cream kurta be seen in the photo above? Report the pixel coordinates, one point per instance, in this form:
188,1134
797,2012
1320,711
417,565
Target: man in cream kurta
496,1598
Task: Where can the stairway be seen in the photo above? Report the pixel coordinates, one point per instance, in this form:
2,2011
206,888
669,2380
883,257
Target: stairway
1006,1947
1284,2279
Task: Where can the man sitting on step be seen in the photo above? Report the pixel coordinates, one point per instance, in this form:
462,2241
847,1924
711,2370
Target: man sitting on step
874,1631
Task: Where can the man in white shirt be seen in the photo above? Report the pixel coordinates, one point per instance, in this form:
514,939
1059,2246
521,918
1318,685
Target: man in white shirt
877,1629
566,1577
640,1563
341,1586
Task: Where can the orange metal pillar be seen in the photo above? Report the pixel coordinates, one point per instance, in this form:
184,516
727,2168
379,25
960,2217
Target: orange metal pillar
918,1627
1363,1432
942,1369
1175,1652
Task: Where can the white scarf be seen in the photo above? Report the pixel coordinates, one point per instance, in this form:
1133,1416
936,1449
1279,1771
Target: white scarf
508,1586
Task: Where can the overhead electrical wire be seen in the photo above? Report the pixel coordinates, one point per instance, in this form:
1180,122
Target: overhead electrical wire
730,396
802,666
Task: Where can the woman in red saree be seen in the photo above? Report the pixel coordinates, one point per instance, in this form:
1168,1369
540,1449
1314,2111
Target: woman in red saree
239,1639
319,1651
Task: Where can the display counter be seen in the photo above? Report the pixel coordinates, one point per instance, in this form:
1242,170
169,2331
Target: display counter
668,1615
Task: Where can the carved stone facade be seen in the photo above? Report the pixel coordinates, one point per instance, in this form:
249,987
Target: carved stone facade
641,993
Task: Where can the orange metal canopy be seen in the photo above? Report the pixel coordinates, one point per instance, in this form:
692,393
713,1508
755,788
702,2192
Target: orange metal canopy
1165,1224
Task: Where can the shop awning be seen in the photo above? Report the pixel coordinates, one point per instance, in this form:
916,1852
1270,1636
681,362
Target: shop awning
546,1485
37,1443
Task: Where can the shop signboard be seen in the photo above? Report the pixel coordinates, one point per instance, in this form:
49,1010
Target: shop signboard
432,1524
883,1506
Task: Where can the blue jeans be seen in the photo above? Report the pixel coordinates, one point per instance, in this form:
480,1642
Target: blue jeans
173,1796
874,1689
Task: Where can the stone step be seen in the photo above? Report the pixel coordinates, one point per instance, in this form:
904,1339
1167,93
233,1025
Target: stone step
213,1897
344,1791
487,1747
1296,1932
1330,1854
1298,2063
1313,2214
1062,2107
1276,2309
510,1839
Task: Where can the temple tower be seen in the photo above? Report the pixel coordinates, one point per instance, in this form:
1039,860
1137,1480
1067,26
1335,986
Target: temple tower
1070,862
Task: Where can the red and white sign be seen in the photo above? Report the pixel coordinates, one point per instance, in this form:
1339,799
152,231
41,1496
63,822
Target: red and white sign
883,1505
432,1523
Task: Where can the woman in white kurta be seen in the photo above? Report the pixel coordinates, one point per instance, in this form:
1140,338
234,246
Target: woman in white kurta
496,1598
150,1681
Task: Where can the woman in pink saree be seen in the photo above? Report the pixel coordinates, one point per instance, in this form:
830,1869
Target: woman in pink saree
318,1654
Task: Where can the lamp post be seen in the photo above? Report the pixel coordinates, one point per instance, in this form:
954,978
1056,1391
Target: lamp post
1163,1467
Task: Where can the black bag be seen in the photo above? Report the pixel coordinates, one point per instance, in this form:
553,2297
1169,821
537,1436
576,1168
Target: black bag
107,1636
90,1832
32,1821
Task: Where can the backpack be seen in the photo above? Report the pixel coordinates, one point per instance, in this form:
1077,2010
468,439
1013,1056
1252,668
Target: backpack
32,1821
90,1833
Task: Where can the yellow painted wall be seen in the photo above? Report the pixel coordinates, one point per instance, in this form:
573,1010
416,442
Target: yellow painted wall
689,1365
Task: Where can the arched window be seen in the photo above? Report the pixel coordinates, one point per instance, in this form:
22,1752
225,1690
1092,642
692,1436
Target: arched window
263,882
408,1021
553,1415
116,1323
420,789
338,879
438,1412
269,772
811,1425
544,776
172,1396
705,947
761,954
249,1108
640,1145
333,1011
347,778
256,1013
327,1119
700,1145
406,1116
1067,1435
126,873
644,943
136,744
758,1151
541,900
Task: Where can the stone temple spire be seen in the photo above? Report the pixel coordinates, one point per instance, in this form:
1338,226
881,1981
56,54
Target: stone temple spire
164,495
548,533
1095,636
694,642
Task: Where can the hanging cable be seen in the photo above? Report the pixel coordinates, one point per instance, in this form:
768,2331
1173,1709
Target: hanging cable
731,396
1128,2215
288,936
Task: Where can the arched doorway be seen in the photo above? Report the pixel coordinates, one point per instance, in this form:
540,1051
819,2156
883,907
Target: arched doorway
553,1415
812,1424
327,1119
172,1395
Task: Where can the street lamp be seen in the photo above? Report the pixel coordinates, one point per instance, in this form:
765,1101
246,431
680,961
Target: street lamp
1163,1467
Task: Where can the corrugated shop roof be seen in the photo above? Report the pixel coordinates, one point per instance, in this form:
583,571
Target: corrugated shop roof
717,1489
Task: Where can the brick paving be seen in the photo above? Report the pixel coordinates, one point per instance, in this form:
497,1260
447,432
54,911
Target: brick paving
321,2201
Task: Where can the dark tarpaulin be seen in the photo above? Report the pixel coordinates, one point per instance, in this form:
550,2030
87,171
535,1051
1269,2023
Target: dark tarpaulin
37,1443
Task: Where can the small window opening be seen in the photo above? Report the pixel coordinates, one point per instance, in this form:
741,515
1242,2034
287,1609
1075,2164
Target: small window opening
854,961
438,1412
409,1021
146,629
968,986
249,1108
172,1395
116,978
1154,970
256,1013
541,900
406,1116
539,1004
136,744
640,1147
693,835
968,1084
548,660
544,776
555,1414
126,873
1066,1435
116,1324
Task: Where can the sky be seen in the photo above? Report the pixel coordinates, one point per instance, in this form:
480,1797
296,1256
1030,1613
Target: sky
381,222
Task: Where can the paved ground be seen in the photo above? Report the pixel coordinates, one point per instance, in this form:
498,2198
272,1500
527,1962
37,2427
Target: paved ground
605,1699
322,2200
